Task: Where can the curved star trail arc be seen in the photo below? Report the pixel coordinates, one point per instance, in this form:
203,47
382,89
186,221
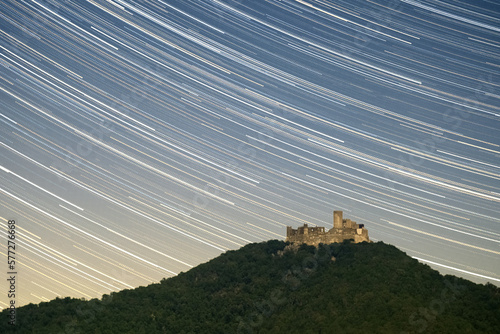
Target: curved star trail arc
141,138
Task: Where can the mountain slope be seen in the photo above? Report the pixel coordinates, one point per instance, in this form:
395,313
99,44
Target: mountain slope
273,288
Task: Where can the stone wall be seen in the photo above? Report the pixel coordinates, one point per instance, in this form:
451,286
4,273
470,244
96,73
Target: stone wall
343,229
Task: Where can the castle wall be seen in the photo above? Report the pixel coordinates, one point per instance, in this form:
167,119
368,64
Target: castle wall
334,235
343,229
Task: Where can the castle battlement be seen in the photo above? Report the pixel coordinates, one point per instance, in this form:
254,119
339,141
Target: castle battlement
343,229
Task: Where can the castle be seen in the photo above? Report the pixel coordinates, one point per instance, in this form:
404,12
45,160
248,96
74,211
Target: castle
343,229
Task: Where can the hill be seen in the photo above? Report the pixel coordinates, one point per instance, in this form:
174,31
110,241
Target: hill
273,287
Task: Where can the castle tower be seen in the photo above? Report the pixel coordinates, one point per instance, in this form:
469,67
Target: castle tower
337,219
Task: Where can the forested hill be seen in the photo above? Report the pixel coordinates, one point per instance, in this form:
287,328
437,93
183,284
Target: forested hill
274,288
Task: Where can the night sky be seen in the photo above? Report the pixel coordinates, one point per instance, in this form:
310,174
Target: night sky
139,139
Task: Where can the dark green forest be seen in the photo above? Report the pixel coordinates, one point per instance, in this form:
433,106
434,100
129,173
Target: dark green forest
273,287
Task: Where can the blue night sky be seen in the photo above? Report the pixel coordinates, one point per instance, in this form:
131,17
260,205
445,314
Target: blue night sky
139,139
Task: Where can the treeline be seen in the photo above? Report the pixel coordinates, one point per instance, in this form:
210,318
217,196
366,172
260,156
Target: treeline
273,287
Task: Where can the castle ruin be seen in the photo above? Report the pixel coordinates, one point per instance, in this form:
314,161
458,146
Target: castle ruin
343,229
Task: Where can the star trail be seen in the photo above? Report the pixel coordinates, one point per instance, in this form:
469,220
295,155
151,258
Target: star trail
139,139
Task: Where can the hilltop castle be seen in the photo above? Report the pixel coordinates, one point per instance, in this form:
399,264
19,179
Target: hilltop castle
343,229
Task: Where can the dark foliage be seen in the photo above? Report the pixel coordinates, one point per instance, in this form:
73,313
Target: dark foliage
274,288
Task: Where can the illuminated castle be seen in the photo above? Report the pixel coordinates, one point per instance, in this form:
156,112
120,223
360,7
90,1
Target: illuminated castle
343,229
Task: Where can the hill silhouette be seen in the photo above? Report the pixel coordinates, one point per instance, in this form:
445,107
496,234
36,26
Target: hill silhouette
274,287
